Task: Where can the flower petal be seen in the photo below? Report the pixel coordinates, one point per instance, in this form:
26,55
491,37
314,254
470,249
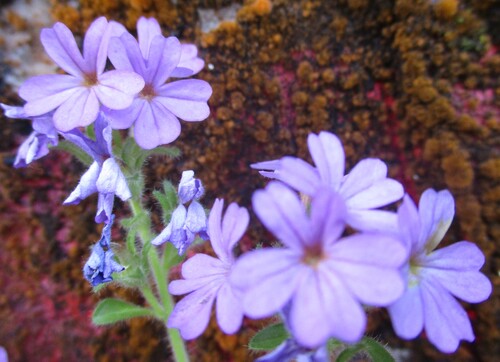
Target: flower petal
155,126
117,88
372,285
187,99
380,193
47,92
436,210
80,110
94,36
470,286
328,213
299,175
60,45
190,63
328,155
322,307
409,223
362,176
86,186
369,249
164,55
215,229
229,310
460,256
147,29
196,219
202,265
185,286
192,314
373,220
124,54
112,180
267,278
281,211
407,313
446,322
104,208
124,118
234,225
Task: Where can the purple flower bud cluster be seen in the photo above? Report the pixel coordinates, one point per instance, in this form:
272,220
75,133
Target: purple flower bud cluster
322,278
185,224
101,265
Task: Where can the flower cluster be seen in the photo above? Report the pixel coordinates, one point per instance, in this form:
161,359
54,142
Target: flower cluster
136,93
322,278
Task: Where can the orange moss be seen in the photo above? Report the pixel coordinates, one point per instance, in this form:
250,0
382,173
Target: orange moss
446,9
491,169
458,172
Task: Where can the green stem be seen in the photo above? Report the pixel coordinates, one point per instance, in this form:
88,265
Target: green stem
161,280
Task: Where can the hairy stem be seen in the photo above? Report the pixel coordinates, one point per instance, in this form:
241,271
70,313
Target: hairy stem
160,277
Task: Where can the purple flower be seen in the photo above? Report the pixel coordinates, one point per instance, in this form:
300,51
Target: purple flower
104,175
77,96
37,144
190,188
185,224
364,189
435,277
323,277
206,278
155,111
101,265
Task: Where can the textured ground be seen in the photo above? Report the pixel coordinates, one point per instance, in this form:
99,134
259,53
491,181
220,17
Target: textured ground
413,83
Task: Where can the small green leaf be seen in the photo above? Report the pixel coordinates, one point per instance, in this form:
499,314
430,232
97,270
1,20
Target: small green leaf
168,199
111,310
75,151
376,350
171,152
269,338
171,257
367,346
350,352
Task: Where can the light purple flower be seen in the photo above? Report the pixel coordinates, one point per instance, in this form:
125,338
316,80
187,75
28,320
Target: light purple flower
104,175
155,111
364,189
435,277
206,278
76,97
190,188
323,277
37,144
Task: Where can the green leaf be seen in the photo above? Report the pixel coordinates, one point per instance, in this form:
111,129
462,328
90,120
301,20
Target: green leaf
168,200
74,150
376,350
367,346
269,338
350,352
111,310
171,257
171,152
